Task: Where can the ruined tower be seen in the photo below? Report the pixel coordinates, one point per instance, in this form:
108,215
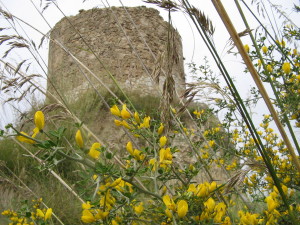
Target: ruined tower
128,44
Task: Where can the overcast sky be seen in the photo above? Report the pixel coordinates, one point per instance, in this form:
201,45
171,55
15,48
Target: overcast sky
193,47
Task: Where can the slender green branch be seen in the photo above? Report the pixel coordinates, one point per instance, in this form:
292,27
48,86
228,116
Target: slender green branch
80,160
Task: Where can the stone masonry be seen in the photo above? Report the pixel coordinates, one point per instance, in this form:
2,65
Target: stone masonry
131,64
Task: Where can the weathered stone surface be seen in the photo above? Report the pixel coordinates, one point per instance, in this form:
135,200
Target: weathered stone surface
100,29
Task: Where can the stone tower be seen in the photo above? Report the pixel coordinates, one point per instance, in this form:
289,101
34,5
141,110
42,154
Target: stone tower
119,50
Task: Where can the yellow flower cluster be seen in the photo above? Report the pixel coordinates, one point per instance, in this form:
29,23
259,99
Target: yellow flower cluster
203,189
118,184
37,215
181,208
125,115
137,154
214,211
107,201
94,150
44,214
16,219
199,113
247,218
139,208
93,215
165,155
232,166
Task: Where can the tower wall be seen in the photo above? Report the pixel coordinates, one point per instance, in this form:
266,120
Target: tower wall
100,28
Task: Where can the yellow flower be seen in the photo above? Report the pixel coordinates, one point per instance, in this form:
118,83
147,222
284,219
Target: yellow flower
114,222
40,213
212,186
39,120
124,113
115,110
126,125
264,49
160,129
164,190
152,162
78,139
137,117
210,204
107,200
202,189
25,139
173,110
220,210
162,141
129,148
94,153
116,182
295,52
165,156
35,132
182,208
146,123
169,202
43,215
286,67
259,63
285,189
101,214
48,214
138,155
139,208
168,213
227,221
199,113
247,48
118,123
211,143
269,68
192,188
248,218
122,123
86,205
87,216
272,204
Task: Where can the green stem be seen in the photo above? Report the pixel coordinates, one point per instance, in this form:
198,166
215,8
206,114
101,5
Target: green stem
141,189
83,161
23,135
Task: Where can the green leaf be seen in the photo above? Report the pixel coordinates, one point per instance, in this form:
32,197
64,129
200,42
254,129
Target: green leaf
78,125
54,133
108,155
46,144
61,131
160,171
